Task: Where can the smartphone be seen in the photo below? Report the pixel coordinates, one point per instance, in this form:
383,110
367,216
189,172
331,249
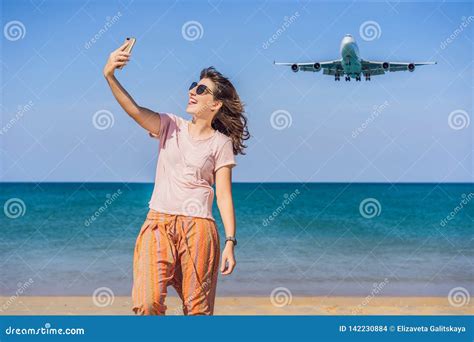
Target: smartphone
131,42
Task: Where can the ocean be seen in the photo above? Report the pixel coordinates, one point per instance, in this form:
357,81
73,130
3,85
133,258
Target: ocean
308,238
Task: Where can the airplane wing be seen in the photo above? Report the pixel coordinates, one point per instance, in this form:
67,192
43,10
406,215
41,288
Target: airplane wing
380,68
329,67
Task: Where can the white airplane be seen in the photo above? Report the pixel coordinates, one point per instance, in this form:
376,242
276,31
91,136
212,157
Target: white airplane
352,65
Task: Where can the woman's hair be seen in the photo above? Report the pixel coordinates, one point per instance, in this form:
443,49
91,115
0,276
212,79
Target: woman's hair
230,120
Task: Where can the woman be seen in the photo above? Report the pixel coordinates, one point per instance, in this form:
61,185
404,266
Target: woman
178,243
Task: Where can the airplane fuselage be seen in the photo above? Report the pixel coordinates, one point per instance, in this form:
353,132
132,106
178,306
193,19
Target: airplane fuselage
350,58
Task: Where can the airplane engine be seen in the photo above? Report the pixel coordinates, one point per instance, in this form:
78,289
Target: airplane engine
295,67
411,67
317,66
385,65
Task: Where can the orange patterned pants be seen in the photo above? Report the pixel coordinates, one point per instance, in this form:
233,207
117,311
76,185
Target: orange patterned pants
176,250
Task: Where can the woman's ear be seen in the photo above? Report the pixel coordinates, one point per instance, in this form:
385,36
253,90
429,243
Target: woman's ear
217,105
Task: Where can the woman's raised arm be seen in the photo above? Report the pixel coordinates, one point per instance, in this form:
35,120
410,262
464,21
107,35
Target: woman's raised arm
145,117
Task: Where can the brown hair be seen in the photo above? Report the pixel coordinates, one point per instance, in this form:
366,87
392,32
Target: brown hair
230,120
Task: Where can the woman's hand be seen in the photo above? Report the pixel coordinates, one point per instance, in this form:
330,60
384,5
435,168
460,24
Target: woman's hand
117,58
228,259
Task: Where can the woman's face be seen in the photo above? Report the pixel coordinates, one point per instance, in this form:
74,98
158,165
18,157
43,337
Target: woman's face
202,105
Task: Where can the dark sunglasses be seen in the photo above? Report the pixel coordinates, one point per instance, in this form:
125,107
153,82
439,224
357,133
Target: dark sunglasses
201,88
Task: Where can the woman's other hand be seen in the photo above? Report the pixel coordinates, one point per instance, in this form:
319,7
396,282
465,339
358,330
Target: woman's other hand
228,260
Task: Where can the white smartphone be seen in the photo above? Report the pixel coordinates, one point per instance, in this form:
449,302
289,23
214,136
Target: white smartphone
131,43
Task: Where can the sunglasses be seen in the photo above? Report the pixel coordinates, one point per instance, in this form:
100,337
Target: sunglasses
201,88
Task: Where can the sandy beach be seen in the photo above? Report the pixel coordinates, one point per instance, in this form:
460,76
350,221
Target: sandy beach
40,305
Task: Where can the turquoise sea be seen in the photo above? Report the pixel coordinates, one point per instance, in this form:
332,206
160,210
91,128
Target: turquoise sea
311,238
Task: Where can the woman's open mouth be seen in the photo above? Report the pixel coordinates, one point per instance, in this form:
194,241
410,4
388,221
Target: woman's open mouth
192,101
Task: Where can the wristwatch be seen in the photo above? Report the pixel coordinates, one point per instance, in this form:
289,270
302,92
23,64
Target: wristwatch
231,238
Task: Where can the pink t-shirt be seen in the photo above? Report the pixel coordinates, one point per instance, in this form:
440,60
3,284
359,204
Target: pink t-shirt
186,168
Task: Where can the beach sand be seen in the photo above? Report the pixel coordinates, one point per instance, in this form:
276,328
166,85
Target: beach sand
42,305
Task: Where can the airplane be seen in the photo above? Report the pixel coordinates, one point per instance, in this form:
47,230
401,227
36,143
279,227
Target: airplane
351,65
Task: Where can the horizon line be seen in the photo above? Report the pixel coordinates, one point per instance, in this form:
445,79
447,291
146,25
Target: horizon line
249,182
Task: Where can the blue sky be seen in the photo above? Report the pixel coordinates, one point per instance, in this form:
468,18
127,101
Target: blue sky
402,119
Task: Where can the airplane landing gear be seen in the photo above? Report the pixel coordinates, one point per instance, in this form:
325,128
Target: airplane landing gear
358,78
367,77
348,78
337,77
